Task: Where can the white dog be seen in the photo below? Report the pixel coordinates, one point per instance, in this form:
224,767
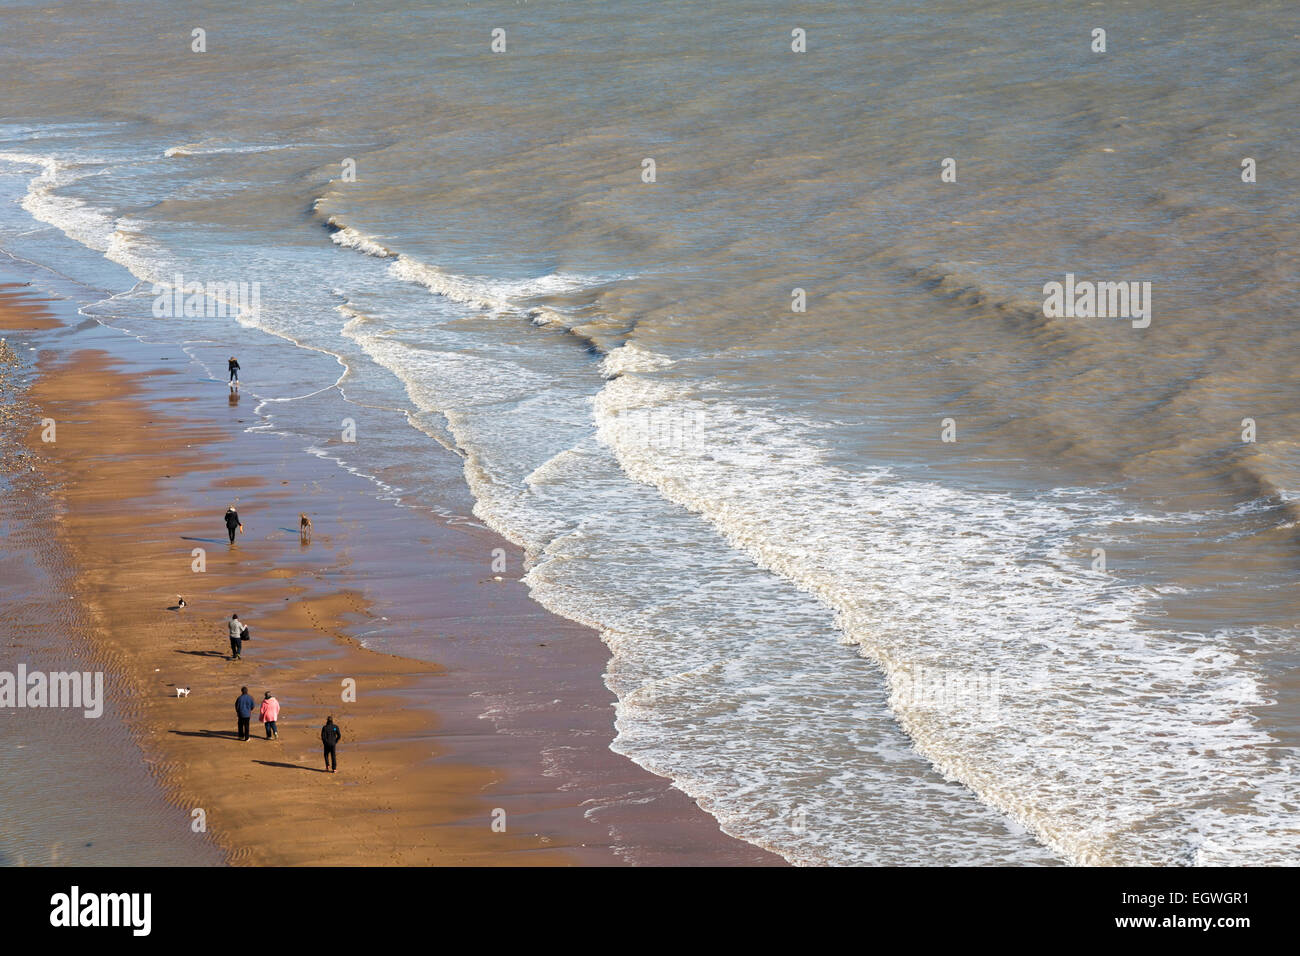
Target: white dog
182,692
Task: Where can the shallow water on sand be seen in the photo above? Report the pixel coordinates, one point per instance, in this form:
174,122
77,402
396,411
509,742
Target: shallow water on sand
74,790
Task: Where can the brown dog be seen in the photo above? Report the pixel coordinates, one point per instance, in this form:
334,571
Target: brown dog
304,525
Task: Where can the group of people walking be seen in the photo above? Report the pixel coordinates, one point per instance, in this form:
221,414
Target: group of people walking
269,712
269,715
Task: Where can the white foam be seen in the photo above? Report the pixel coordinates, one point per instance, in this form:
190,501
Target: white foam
85,223
1109,737
493,295
350,238
632,358
208,149
496,296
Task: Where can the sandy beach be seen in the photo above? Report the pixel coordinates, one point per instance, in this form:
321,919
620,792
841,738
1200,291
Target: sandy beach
146,460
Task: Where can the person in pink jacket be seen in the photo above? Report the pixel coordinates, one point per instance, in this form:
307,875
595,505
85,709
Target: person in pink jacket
270,713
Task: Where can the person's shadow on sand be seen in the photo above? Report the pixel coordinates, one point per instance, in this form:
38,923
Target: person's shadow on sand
289,766
203,653
227,734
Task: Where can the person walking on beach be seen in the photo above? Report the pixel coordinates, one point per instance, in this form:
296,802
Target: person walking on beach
233,524
244,711
237,630
330,735
270,713
233,365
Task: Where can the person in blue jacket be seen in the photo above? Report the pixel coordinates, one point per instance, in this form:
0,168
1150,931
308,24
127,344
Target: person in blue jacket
244,711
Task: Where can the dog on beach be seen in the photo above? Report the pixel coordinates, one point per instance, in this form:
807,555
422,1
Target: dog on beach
180,601
182,692
304,525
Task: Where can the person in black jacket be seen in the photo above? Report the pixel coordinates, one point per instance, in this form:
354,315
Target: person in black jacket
244,711
233,523
330,735
234,369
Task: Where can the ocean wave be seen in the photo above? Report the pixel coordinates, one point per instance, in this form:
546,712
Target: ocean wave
967,286
349,238
1270,474
82,221
632,358
204,149
119,239
497,296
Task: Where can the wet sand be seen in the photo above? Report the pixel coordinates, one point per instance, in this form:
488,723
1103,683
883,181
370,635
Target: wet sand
148,455
48,813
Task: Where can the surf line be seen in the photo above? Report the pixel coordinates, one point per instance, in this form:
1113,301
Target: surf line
1098,300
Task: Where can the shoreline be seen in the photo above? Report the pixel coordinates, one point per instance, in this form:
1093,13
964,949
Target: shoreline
47,756
145,461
